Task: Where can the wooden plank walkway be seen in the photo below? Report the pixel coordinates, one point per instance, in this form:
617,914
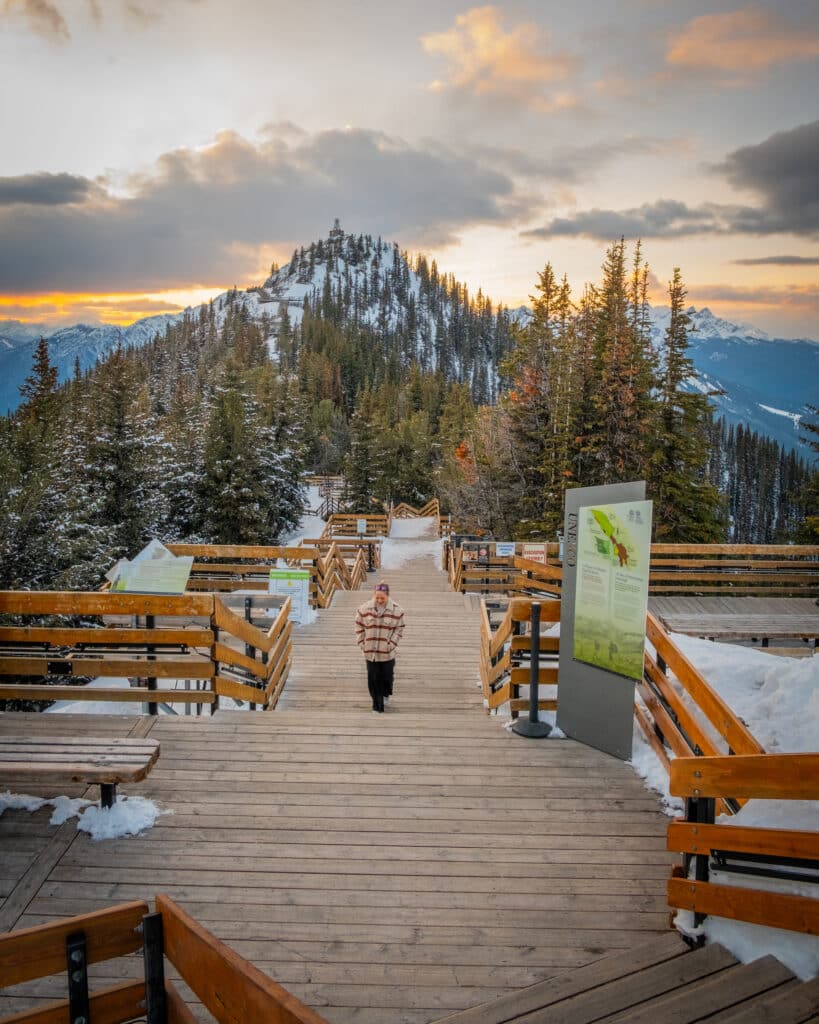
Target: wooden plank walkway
384,868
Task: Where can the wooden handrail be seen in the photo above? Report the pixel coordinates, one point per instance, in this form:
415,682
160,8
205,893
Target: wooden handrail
735,733
242,670
230,987
221,978
755,776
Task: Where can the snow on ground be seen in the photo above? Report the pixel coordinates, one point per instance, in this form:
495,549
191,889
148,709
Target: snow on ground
413,527
410,539
129,816
311,527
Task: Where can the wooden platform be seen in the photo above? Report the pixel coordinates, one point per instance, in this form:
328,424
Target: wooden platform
737,619
388,869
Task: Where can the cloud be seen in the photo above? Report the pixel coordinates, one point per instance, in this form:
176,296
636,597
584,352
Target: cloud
45,189
43,17
573,164
739,43
783,171
779,261
485,60
215,215
664,218
795,296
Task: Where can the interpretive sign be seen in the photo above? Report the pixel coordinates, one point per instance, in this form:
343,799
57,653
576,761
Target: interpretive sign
361,526
153,571
594,705
613,552
295,584
504,548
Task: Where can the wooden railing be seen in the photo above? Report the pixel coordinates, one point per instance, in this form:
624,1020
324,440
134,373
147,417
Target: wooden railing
511,575
431,510
752,852
334,573
349,548
712,758
346,525
683,569
670,723
220,568
502,652
769,570
229,987
192,637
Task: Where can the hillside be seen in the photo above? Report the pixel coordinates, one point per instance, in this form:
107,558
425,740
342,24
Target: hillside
413,310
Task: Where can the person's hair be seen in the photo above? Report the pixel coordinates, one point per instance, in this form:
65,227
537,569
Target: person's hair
385,587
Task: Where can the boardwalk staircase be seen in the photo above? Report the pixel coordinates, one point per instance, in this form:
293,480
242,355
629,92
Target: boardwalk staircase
658,983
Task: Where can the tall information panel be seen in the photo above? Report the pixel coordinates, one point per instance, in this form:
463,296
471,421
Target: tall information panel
607,539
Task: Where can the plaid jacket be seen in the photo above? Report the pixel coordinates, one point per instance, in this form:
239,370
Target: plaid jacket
377,632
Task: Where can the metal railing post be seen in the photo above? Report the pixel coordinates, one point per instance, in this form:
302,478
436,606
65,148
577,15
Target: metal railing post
152,705
532,727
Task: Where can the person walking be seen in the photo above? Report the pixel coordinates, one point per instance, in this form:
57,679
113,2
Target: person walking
379,625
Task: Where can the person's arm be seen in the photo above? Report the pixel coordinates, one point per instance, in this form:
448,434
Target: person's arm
360,629
398,630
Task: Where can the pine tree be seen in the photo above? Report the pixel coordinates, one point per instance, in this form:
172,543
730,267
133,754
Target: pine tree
687,507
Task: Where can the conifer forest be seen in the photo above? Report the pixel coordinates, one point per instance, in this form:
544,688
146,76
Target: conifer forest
392,373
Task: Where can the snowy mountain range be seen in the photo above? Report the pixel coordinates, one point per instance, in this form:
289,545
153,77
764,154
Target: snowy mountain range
81,341
752,378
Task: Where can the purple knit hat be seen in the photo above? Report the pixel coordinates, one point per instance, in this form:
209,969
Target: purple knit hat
383,586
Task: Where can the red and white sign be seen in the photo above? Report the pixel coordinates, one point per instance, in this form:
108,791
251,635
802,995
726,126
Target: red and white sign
534,552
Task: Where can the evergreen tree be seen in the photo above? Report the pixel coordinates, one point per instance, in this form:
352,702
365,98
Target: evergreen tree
687,507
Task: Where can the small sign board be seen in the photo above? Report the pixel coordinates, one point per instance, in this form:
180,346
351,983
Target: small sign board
504,548
361,526
295,584
153,571
534,552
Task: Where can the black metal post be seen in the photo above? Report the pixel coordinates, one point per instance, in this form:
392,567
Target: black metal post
77,967
153,707
370,565
108,794
532,727
250,650
214,707
699,811
156,1010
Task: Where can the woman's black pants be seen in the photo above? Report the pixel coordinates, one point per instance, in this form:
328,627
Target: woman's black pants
379,681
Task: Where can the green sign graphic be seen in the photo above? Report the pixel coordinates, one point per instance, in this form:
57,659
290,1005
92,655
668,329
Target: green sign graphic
613,552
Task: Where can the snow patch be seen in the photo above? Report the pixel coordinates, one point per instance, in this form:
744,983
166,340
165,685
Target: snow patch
395,553
795,416
129,816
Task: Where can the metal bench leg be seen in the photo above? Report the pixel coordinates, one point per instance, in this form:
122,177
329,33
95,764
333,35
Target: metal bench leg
108,794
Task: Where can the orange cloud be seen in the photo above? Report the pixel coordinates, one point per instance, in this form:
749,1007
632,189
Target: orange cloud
486,60
60,308
740,42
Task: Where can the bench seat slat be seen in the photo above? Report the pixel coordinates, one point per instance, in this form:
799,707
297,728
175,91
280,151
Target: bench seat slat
79,772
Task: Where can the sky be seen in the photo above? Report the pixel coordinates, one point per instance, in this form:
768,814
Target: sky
156,152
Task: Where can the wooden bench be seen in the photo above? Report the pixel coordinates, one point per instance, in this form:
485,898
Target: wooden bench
748,626
103,762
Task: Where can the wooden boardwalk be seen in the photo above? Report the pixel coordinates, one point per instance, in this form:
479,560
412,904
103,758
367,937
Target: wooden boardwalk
385,868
